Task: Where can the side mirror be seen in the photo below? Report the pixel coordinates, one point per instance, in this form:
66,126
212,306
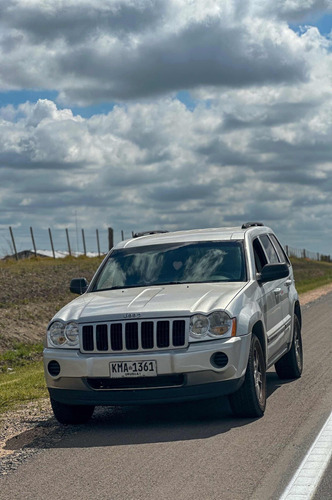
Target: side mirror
271,272
78,285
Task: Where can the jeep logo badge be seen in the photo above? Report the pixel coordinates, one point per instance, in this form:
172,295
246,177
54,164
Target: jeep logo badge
132,315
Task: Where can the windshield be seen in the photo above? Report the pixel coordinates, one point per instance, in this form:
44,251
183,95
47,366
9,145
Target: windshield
199,262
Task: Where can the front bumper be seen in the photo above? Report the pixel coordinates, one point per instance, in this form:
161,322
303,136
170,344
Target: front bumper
201,377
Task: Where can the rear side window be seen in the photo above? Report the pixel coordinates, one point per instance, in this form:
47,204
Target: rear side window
281,252
269,249
260,259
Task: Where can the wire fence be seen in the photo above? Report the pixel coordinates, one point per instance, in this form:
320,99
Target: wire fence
306,254
59,242
23,242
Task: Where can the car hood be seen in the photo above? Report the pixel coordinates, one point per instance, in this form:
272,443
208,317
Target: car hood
157,301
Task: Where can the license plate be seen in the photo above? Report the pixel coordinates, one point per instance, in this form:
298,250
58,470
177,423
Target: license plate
123,369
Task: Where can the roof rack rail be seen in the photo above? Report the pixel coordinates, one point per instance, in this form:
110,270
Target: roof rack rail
146,233
251,224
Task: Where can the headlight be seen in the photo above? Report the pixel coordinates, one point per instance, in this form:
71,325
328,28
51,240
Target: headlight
199,325
56,334
214,325
63,335
71,333
220,323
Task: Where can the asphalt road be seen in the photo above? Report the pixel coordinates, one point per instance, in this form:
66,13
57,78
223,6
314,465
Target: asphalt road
191,451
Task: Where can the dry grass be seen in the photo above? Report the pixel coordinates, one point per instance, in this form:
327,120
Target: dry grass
32,291
41,279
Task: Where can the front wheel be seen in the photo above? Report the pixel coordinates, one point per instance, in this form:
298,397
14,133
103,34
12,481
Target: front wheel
291,364
250,399
71,414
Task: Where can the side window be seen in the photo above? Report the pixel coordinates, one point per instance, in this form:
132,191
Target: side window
269,249
260,259
281,252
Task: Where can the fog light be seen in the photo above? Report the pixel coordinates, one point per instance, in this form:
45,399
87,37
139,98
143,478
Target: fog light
53,368
219,359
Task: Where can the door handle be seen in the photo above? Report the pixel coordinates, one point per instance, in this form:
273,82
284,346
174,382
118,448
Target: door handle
288,282
277,291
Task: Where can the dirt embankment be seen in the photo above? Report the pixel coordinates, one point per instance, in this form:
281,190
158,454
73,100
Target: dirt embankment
32,291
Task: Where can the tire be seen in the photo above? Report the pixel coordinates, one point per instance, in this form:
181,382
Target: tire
71,414
250,399
290,366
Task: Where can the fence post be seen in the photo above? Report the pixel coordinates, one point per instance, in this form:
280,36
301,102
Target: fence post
51,240
69,249
83,239
110,238
122,235
33,241
287,252
98,245
13,241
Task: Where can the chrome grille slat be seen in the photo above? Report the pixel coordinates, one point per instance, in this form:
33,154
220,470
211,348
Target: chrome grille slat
133,336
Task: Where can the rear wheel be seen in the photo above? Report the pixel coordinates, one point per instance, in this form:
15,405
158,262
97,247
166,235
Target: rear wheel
250,399
291,364
71,414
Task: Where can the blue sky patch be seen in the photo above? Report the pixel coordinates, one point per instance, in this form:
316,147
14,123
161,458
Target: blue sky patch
17,97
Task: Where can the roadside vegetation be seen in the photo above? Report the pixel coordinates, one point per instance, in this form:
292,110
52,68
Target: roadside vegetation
21,384
33,290
310,274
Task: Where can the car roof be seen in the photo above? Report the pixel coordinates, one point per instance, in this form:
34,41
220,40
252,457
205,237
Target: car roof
208,234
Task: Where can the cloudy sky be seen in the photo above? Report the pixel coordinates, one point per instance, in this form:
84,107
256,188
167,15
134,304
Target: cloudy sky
172,114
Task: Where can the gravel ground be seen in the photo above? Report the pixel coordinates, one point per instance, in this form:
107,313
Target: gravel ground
32,427
26,431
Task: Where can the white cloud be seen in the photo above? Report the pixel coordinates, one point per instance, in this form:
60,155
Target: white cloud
161,165
127,50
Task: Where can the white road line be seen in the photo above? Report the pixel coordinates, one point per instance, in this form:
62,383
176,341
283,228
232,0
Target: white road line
307,477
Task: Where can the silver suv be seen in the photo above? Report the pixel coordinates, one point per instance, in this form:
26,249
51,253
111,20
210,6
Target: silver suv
174,317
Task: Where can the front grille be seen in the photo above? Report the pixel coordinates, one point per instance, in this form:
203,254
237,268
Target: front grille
104,384
133,336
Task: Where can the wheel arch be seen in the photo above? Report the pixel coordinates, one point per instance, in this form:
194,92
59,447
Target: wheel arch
297,312
258,330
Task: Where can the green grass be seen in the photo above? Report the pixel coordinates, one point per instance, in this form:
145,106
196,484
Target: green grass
310,274
20,355
22,384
